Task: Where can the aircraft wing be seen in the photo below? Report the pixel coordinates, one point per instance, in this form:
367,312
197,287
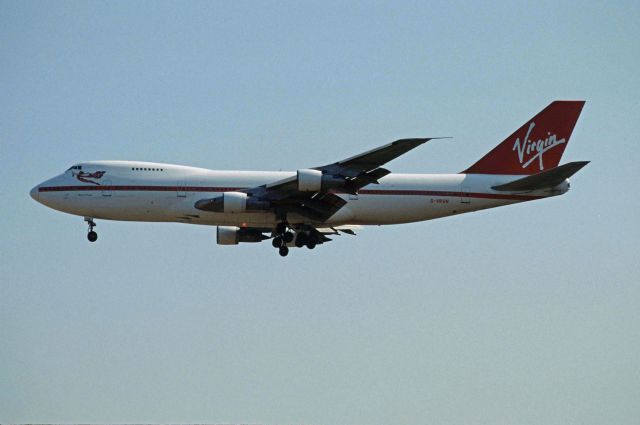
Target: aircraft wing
311,192
369,161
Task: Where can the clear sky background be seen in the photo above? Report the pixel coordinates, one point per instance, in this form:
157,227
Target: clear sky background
526,314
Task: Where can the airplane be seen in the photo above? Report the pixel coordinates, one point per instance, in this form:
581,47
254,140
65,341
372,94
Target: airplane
303,208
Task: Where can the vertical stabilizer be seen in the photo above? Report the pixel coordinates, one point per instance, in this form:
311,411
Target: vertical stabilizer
536,146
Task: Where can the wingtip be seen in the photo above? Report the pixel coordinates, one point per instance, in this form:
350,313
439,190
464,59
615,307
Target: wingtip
580,164
420,140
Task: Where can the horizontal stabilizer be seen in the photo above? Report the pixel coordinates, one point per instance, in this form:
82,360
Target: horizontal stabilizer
543,180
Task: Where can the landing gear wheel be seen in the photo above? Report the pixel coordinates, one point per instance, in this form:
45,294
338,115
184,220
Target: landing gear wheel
281,227
277,242
311,244
287,237
92,236
301,240
283,251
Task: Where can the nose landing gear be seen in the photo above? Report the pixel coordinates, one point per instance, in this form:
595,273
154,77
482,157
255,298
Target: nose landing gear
92,236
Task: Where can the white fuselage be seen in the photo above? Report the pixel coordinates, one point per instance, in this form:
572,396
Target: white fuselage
144,191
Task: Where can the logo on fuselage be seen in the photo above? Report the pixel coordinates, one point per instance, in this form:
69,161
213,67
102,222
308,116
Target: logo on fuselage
86,177
529,150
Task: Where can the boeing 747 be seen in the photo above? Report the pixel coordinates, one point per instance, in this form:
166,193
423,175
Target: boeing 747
308,206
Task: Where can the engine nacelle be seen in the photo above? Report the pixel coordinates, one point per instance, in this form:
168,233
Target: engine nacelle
314,181
232,235
309,180
227,235
234,202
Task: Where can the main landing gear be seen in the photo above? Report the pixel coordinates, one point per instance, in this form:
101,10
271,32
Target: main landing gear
304,236
282,237
308,238
92,236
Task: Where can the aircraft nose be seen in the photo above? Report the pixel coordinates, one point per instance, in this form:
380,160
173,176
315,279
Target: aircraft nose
34,193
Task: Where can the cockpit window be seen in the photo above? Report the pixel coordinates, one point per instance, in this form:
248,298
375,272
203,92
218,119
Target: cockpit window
75,167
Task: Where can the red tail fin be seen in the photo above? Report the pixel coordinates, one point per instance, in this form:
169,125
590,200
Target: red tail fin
536,146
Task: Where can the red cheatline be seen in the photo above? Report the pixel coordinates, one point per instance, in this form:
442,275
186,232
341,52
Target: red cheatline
230,189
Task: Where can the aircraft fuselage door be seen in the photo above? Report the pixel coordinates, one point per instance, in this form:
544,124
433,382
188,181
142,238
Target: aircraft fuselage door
106,188
181,190
464,195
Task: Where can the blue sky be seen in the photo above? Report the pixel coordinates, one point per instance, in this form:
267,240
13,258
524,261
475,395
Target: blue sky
524,314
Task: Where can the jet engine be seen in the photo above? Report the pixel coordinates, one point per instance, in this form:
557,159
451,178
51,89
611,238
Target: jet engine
234,202
309,180
232,235
314,181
